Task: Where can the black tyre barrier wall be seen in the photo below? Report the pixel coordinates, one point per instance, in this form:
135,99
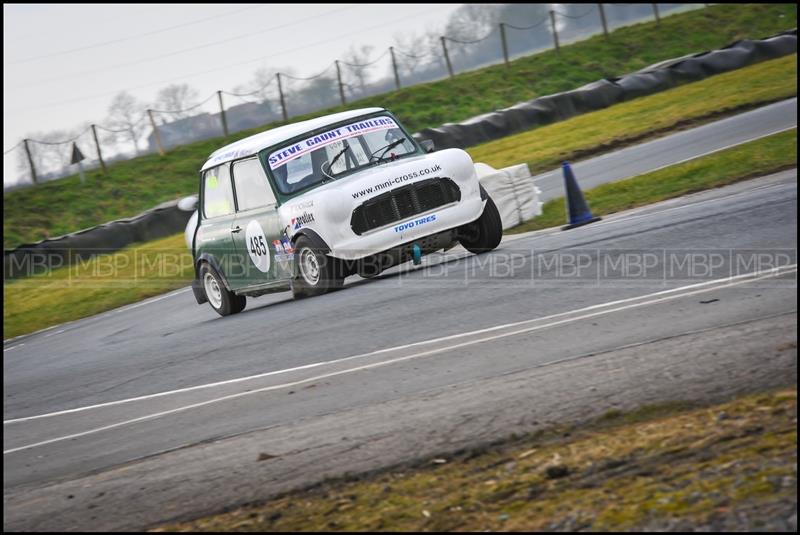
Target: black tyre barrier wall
605,92
166,219
163,220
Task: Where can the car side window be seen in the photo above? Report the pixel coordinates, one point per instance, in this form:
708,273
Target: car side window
217,192
252,187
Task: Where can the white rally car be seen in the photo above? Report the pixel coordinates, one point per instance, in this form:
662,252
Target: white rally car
305,205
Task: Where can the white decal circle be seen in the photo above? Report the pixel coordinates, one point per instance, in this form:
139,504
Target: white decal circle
256,244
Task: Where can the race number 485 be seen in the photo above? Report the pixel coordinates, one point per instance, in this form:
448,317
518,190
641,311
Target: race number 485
257,246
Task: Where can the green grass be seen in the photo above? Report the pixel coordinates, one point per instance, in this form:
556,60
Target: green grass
99,284
545,147
778,151
642,472
132,186
144,270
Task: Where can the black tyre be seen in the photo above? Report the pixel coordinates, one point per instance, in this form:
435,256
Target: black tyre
316,273
484,234
224,302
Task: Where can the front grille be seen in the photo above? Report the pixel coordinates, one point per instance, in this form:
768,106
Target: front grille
404,202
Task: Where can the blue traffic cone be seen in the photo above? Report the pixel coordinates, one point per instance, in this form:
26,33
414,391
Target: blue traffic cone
577,209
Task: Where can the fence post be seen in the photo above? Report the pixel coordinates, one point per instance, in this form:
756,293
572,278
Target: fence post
222,114
447,58
155,131
555,33
283,102
503,39
655,11
603,19
30,161
339,78
394,66
99,154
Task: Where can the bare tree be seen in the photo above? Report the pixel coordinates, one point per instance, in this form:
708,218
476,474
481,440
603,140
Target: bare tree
315,94
410,53
359,56
262,85
433,47
126,113
472,22
46,157
175,98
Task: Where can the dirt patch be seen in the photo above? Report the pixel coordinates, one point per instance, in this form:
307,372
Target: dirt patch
726,467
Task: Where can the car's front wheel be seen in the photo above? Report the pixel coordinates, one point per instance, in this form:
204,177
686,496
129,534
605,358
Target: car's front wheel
223,302
316,273
484,234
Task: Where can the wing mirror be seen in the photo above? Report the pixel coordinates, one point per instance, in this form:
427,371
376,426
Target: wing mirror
427,145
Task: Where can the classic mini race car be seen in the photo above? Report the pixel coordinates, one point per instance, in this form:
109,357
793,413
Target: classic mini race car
305,205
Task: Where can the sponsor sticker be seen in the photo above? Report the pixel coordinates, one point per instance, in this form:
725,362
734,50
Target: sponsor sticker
304,219
281,255
287,245
387,184
415,223
299,207
231,154
287,154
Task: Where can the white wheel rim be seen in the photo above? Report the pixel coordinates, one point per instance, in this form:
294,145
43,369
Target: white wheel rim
309,267
213,291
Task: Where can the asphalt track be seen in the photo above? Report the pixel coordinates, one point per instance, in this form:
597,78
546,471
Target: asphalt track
135,401
674,148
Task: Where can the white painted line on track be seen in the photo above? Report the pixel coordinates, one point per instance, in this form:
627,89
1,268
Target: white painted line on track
693,289
143,303
788,269
726,147
544,176
54,333
101,314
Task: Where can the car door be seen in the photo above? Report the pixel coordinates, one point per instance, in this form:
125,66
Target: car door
256,229
218,214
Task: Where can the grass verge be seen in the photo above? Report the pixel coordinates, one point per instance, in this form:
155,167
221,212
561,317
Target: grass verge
99,284
145,270
770,154
651,469
689,105
63,206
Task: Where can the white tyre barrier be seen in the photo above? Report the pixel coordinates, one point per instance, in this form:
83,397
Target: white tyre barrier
513,191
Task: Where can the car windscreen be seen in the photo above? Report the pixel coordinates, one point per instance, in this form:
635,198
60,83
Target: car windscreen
337,152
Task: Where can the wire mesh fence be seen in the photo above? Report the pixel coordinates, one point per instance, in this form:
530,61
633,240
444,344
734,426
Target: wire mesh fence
284,95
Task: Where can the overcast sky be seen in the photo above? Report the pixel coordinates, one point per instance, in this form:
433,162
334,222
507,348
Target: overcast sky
63,63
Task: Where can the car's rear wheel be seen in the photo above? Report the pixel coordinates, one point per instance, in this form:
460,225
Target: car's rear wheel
485,233
223,301
316,273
